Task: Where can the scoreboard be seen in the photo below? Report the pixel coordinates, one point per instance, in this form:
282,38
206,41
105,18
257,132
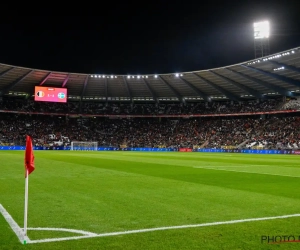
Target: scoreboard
49,94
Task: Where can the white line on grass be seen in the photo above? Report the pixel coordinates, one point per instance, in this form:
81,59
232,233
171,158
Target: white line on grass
164,228
62,230
19,232
248,172
14,226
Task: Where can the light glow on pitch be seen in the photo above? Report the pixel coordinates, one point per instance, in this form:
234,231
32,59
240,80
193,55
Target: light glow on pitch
261,30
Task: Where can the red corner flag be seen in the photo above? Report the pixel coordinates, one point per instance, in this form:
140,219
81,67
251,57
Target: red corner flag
29,157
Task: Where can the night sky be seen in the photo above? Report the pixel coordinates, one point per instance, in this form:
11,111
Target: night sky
147,38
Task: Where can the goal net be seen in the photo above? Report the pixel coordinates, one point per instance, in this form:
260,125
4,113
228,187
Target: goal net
84,145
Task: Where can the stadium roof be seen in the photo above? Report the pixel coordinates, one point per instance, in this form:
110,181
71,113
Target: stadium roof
274,75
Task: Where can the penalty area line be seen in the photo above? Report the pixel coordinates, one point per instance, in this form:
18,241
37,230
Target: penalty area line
164,228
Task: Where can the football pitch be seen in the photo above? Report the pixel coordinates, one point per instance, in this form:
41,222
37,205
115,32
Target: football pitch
145,200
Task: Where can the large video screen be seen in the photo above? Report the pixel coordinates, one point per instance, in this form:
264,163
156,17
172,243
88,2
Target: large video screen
49,94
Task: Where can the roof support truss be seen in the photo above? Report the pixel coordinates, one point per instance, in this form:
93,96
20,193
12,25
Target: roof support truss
150,89
106,89
5,72
14,83
65,81
127,87
239,85
45,79
219,88
84,86
178,95
196,90
268,85
278,77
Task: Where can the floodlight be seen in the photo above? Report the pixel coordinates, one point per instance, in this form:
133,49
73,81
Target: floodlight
261,39
261,30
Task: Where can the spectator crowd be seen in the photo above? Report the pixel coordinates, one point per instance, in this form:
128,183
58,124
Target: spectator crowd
102,108
61,123
275,132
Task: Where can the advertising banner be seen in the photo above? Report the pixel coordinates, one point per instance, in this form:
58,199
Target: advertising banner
204,150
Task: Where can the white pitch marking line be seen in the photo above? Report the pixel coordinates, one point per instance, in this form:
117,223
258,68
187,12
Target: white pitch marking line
14,226
62,230
164,228
248,172
19,232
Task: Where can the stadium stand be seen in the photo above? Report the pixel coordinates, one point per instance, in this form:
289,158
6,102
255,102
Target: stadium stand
292,104
248,105
275,132
100,108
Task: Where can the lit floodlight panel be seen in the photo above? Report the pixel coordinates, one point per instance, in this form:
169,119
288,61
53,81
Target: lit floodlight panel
261,30
49,94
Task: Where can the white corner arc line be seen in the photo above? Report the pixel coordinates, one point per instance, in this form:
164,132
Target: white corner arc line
14,226
62,230
248,172
164,228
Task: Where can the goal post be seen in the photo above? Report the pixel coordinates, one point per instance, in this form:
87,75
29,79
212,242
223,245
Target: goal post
84,145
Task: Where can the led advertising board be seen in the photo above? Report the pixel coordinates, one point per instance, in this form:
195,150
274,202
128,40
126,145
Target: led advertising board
50,94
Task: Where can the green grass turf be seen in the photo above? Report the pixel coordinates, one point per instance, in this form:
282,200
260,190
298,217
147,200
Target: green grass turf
105,192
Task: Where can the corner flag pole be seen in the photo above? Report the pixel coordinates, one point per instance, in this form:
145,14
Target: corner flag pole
26,206
29,167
